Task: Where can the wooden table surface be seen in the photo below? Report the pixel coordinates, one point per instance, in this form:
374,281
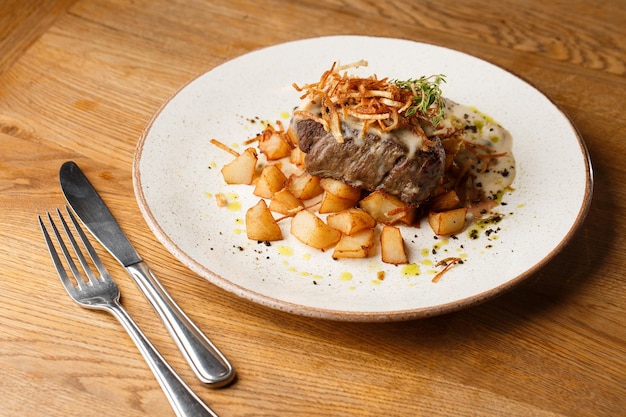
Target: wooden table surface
80,79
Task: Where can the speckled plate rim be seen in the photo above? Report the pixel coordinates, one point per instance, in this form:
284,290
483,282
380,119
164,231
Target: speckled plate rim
173,246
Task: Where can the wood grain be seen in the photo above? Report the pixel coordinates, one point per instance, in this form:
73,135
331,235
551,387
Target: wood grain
80,79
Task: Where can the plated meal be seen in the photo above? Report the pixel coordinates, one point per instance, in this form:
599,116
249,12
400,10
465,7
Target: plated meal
366,151
393,169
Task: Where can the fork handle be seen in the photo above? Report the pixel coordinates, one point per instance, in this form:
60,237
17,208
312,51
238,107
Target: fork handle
183,400
207,362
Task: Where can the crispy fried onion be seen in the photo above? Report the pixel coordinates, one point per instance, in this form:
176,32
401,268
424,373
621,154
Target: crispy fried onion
381,104
447,263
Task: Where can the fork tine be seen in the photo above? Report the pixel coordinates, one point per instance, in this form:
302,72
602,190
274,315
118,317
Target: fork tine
104,274
79,254
58,265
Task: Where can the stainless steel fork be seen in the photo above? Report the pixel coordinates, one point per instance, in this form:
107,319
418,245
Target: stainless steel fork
101,292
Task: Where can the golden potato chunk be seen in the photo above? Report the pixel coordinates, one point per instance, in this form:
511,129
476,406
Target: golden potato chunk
312,231
357,245
285,203
271,180
297,157
392,246
388,209
447,222
260,224
350,221
304,186
332,204
340,189
446,201
241,170
337,196
273,144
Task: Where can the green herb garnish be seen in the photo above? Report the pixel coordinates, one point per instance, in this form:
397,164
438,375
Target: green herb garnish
426,92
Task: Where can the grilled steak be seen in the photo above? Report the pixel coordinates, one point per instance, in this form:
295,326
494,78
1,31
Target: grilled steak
395,162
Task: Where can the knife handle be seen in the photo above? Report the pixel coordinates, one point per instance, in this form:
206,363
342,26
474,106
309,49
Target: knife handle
208,363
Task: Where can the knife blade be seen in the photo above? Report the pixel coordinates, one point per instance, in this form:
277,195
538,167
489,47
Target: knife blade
207,362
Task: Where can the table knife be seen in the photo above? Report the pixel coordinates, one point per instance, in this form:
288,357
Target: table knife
208,363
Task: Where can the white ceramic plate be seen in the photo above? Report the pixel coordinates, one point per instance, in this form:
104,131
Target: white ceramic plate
177,174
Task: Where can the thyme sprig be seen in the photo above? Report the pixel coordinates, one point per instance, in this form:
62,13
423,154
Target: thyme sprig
426,92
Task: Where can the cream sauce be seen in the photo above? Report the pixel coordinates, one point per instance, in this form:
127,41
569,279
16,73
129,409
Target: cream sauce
482,130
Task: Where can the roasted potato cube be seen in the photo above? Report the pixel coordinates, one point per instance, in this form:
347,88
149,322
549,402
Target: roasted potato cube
241,170
357,245
446,201
312,231
271,180
297,157
291,137
304,186
332,203
388,209
350,221
260,224
337,196
447,222
392,246
340,189
273,144
285,203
